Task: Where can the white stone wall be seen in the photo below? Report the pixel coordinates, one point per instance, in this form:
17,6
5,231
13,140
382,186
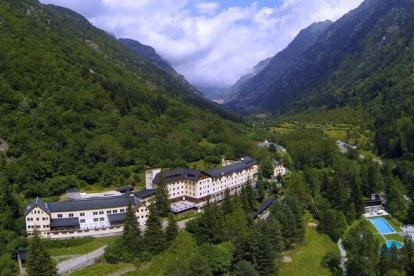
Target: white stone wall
38,219
90,222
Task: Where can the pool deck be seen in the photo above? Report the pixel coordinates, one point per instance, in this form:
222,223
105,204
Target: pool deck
384,236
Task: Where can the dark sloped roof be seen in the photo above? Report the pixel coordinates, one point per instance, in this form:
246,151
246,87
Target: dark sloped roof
64,222
144,193
120,217
178,174
38,202
243,164
22,254
93,203
264,206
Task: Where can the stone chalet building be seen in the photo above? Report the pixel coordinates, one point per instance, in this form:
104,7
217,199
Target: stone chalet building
104,214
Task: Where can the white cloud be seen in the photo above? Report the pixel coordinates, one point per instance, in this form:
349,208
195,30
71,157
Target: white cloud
207,43
209,8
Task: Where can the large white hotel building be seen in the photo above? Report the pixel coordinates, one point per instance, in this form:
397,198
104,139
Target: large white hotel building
104,214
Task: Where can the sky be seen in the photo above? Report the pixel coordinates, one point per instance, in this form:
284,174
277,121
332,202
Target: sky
211,42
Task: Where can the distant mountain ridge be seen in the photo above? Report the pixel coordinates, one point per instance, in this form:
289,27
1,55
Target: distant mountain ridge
148,53
340,50
253,85
232,92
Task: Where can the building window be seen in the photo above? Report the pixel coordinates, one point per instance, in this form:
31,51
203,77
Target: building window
71,215
95,213
122,210
101,212
82,221
59,215
108,212
95,219
101,219
82,214
114,211
37,219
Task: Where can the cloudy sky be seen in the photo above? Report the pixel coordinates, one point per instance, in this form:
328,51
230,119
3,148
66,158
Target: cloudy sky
211,42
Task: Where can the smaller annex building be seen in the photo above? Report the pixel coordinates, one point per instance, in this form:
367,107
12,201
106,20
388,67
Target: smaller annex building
96,216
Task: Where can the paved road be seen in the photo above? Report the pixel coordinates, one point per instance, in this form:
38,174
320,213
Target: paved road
343,257
81,261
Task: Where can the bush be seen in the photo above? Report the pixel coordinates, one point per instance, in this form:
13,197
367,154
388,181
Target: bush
331,261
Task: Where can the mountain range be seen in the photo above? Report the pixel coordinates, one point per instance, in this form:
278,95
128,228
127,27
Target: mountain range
304,73
363,60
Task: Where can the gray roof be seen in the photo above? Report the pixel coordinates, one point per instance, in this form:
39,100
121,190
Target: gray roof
179,174
93,204
120,217
38,202
144,193
243,164
64,222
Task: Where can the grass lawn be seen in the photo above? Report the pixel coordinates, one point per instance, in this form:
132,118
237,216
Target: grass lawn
82,248
101,269
307,257
395,237
395,224
380,239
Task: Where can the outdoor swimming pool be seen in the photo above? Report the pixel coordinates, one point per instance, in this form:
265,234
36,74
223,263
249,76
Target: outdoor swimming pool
382,225
392,243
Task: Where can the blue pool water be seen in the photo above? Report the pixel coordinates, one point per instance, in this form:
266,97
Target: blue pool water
394,243
382,225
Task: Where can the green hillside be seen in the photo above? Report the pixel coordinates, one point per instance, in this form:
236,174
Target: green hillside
78,108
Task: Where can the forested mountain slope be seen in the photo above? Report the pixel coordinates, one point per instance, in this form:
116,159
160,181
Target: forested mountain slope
365,59
232,92
250,88
148,53
77,107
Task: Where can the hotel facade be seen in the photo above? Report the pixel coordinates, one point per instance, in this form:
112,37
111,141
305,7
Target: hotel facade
85,215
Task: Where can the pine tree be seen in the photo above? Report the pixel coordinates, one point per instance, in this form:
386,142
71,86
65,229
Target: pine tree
251,197
265,257
172,230
131,235
154,238
227,204
244,200
296,208
162,202
244,268
210,225
271,229
236,224
246,249
261,190
39,262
